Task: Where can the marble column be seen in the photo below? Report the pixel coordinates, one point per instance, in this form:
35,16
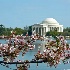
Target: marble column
38,29
44,30
59,29
35,30
62,29
41,31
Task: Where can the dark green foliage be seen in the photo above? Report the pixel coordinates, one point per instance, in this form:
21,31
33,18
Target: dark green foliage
2,29
66,31
30,30
25,32
52,33
18,31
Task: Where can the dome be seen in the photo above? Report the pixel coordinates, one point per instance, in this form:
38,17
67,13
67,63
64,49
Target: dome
50,20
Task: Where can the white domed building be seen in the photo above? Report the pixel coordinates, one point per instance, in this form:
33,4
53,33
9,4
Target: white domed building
47,25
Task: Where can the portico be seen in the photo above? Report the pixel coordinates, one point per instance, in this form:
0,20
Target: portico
47,25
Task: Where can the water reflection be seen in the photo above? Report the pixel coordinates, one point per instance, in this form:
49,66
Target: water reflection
40,45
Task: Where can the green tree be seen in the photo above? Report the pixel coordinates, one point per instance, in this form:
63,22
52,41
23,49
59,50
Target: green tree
2,29
25,32
30,30
18,31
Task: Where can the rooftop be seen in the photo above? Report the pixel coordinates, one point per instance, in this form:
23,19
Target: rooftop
50,20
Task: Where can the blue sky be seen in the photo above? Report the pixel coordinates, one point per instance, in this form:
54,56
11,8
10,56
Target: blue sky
19,13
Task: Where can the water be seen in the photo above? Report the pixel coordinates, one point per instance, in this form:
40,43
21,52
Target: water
30,54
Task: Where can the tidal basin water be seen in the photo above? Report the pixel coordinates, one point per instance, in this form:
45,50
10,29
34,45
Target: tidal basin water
30,55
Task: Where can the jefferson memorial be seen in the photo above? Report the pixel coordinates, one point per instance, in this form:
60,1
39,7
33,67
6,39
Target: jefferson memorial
47,25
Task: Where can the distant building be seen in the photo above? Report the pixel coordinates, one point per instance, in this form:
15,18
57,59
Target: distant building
47,25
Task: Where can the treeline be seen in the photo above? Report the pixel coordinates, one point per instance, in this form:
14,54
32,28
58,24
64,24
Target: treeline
18,31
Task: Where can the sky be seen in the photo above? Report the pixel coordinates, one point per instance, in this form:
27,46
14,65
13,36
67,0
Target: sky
21,13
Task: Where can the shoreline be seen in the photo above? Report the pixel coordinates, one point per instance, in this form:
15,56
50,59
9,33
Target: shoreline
6,37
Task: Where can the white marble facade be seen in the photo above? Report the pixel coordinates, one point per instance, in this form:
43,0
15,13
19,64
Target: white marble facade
47,25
